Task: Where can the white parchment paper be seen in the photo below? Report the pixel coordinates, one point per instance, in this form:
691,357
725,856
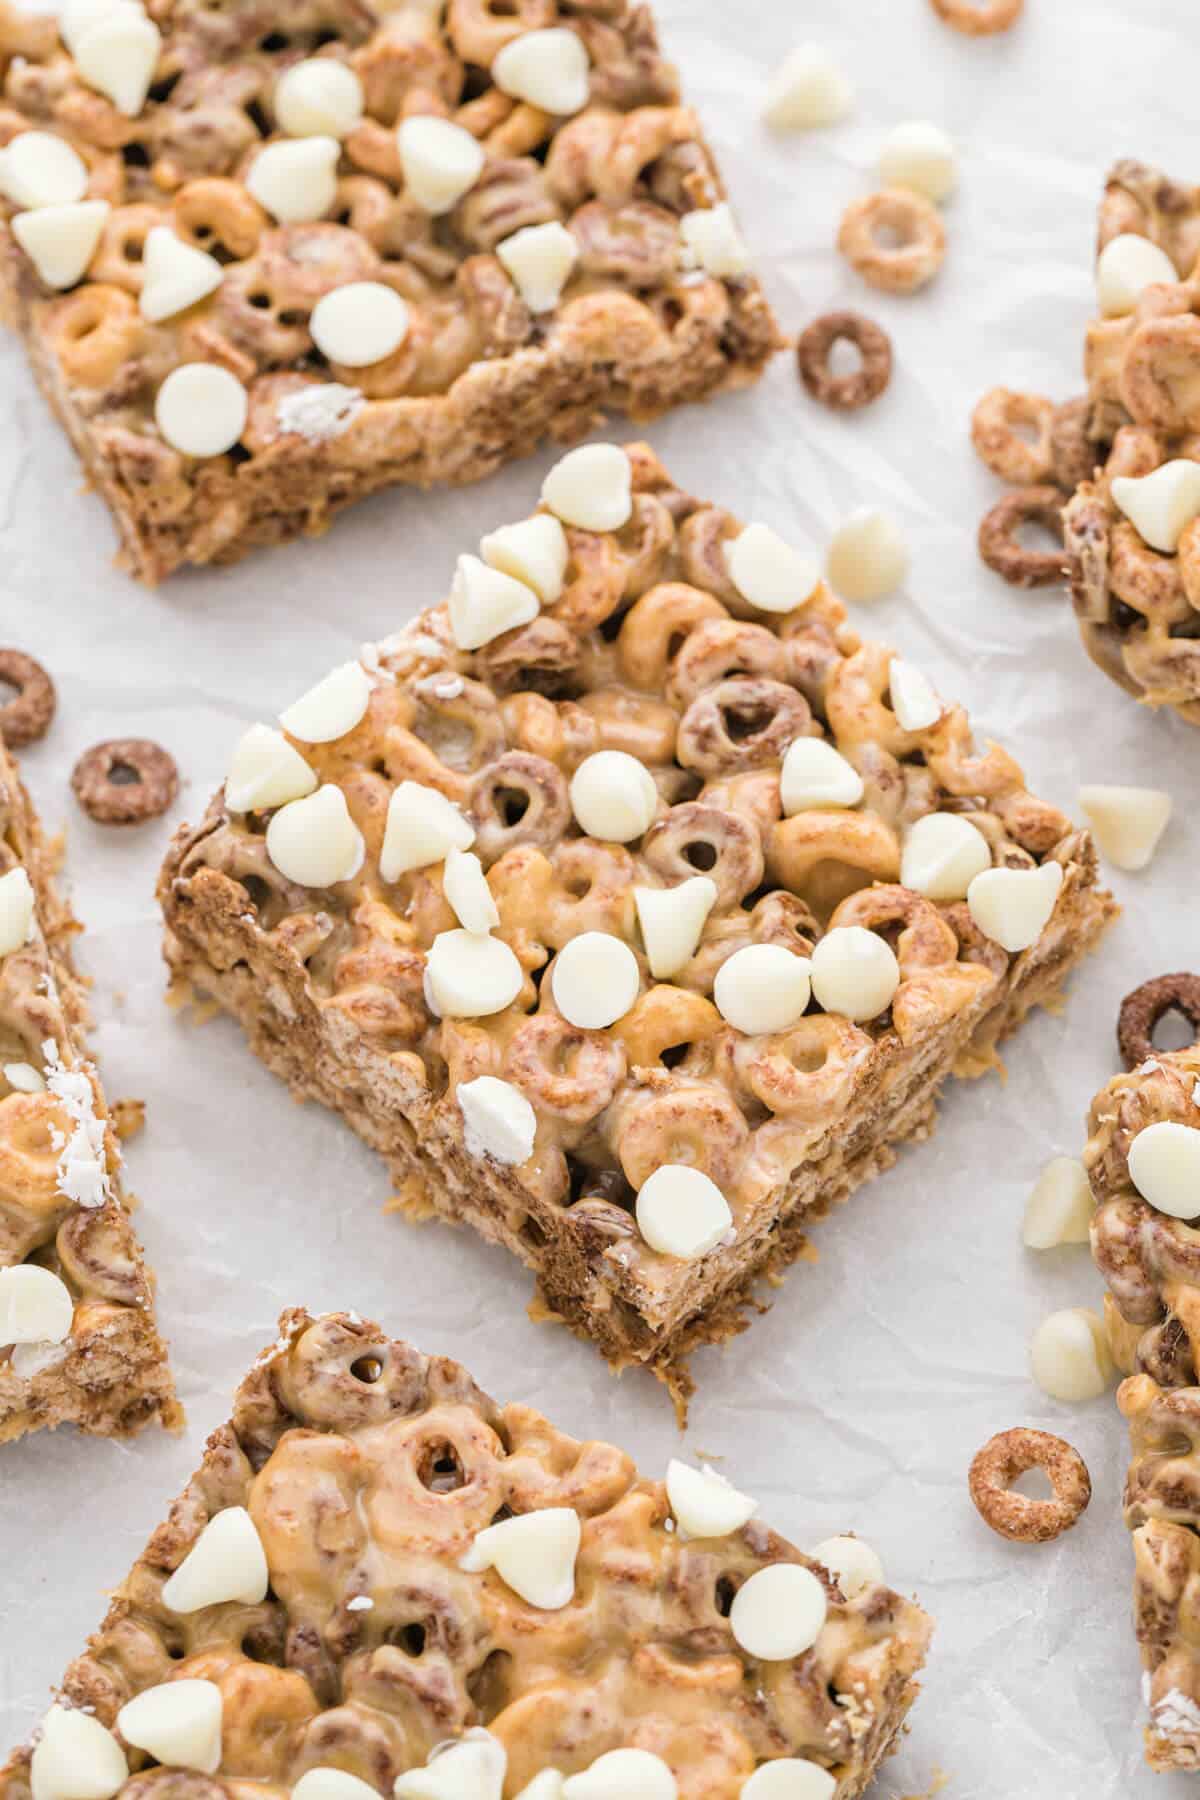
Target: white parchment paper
860,1399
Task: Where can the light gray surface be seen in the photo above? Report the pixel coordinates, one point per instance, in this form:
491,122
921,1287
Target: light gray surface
860,1399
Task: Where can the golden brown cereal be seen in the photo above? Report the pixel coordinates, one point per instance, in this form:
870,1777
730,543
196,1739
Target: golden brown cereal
1000,548
1073,455
27,716
844,393
998,441
917,255
979,18
1008,1456
1142,1010
124,781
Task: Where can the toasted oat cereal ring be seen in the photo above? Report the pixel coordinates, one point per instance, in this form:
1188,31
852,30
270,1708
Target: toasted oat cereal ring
844,392
915,257
1001,549
1142,1010
125,781
1073,455
979,20
26,717
996,434
1008,1456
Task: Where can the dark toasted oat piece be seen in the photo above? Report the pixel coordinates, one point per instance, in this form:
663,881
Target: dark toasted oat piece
27,716
844,393
1008,1456
1072,453
1142,1010
124,781
999,545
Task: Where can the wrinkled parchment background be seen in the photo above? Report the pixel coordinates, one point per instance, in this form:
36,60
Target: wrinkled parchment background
860,1399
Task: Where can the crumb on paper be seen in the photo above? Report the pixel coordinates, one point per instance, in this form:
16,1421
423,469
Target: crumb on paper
128,1117
320,412
938,1782
413,1201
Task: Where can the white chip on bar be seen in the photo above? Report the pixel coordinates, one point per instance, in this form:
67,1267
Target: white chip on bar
591,487
914,701
540,259
867,556
613,796
919,155
76,1758
38,168
472,1767
1160,506
314,841
178,1722
1069,1355
672,922
704,1504
441,162
60,241
422,827
295,179
226,1562
16,910
1059,1209
266,771
533,551
1126,822
1127,265
76,17
942,855
854,972
789,1778
23,1078
174,275
769,573
627,1774
485,603
118,55
815,775
498,1120
546,1785
332,708
332,1784
318,97
807,91
533,1554
1164,1166
465,887
471,977
360,323
1014,906
36,1306
549,69
712,241
594,980
763,988
853,1564
201,409
681,1212
779,1612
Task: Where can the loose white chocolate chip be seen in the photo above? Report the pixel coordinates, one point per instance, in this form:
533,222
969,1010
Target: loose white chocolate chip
672,921
24,1078
39,169
1164,1166
540,259
779,1612
550,69
295,179
919,155
319,97
868,556
174,275
441,162
815,775
471,977
854,973
178,1722
595,980
613,796
1014,906
681,1212
314,842
35,1306
942,855
266,771
498,1120
332,1784
118,56
807,91
76,1758
1069,1355
485,603
201,409
330,709
591,487
853,1564
1160,506
1126,822
546,1786
422,828
534,551
763,988
712,242
60,241
769,573
226,1562
789,1778
705,1505
16,910
359,324
914,701
623,1775
465,887
533,1554
472,1768
1059,1210
1126,265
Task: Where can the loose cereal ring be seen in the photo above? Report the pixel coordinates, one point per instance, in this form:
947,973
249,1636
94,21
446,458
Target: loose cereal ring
1142,1010
844,393
1011,1454
920,247
26,717
124,781
999,546
979,18
996,435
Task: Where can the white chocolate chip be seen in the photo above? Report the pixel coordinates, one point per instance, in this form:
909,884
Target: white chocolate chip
498,1120
534,551
471,1768
681,1212
763,988
1059,1210
441,162
330,709
853,1564
623,1775
1162,505
422,827
705,1505
672,921
613,796
60,241
39,169
76,1758
769,573
540,259
226,1562
815,775
465,887
1069,1355
789,1778
591,487
76,17
359,324
712,242
178,1722
319,97
314,841
1164,1166
942,855
332,1784
808,90
1127,265
550,69
118,56
595,980
533,1554
1014,906
914,700
471,977
201,409
295,179
35,1306
1126,822
548,1785
16,910
485,603
266,771
23,1078
919,155
778,1613
175,275
854,972
868,555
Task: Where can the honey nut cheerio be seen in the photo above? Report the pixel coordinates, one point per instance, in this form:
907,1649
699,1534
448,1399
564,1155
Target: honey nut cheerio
469,1629
712,910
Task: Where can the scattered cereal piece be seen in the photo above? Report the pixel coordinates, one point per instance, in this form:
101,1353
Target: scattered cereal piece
1008,1456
